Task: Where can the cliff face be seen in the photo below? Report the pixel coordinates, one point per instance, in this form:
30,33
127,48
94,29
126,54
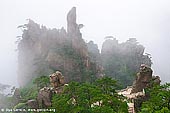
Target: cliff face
122,60
43,51
93,52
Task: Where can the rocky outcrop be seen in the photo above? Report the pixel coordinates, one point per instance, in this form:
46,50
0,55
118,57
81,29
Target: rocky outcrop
143,79
122,60
57,82
136,93
94,53
41,51
156,80
44,97
33,104
57,79
72,27
73,33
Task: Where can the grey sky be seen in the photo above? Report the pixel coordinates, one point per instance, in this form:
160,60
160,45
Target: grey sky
146,20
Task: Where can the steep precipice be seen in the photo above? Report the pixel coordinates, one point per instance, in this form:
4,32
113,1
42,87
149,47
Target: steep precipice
43,51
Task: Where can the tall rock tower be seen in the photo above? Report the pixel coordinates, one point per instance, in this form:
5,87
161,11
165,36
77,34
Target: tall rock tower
74,34
42,51
72,26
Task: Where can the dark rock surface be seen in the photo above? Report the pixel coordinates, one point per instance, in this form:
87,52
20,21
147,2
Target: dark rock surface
57,79
143,79
33,104
44,97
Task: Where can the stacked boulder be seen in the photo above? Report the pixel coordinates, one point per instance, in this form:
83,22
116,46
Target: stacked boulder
143,78
44,96
57,81
136,94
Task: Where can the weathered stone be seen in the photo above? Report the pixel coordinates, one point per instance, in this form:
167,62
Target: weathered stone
59,90
44,97
72,27
156,80
143,79
136,93
33,104
42,50
57,79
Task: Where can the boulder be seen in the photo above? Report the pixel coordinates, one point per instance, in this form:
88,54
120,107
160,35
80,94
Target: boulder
57,79
44,97
143,79
136,93
156,80
33,104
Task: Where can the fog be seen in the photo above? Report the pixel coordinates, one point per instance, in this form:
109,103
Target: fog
146,20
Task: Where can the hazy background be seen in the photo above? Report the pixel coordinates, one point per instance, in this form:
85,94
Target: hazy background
146,20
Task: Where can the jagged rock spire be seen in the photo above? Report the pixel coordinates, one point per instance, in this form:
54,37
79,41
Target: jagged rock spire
71,21
73,28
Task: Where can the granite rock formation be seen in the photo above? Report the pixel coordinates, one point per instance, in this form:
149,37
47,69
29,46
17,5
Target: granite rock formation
33,104
44,97
136,93
156,80
57,79
122,60
41,51
143,79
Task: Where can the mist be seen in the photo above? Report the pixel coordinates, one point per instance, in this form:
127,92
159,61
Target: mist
147,21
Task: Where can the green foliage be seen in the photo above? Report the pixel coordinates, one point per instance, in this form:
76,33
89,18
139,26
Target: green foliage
28,92
20,106
52,51
42,81
80,73
47,50
159,101
107,85
83,97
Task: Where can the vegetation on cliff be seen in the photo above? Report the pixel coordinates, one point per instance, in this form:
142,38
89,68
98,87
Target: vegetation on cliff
99,97
92,76
159,101
42,51
122,60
